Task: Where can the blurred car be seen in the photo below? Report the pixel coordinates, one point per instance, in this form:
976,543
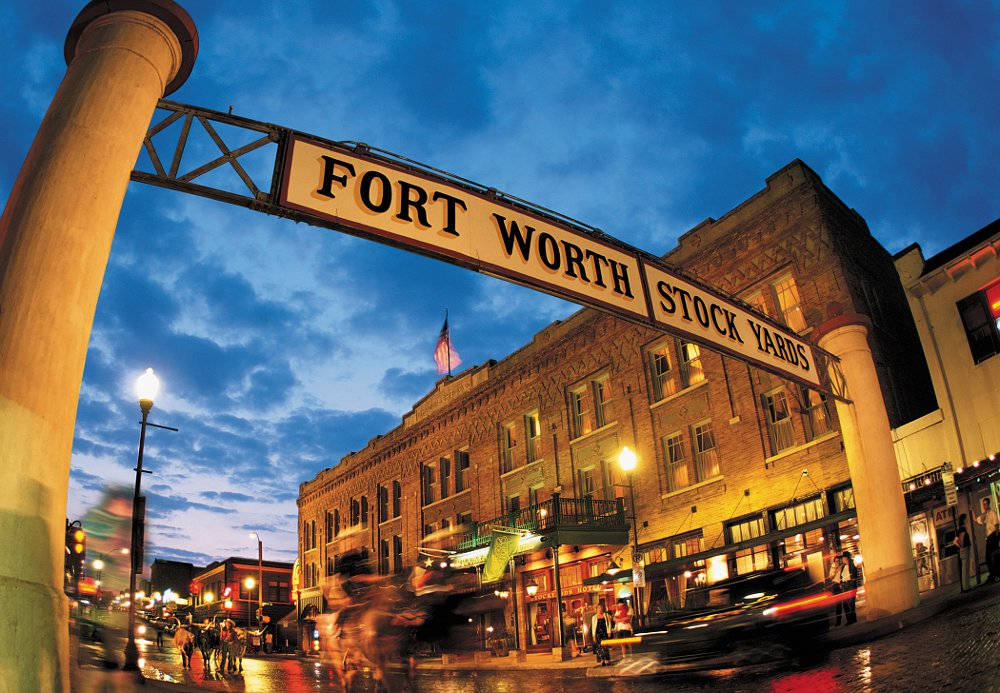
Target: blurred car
746,619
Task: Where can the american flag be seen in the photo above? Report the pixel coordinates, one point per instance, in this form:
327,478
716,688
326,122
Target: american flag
445,355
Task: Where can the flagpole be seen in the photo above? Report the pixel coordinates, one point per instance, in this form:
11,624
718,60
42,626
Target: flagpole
448,343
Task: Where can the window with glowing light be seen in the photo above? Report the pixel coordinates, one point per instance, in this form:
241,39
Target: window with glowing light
980,314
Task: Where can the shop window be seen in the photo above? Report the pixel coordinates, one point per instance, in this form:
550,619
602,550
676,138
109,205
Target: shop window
843,499
688,544
754,558
742,530
397,498
461,470
980,314
508,445
798,514
778,420
532,436
705,453
680,471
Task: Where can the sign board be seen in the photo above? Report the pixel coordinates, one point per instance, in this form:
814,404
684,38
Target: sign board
639,574
950,493
420,211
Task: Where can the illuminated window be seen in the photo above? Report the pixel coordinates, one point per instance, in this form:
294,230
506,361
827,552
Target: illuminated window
461,470
705,453
799,514
692,371
444,469
397,498
590,406
754,558
680,471
508,443
778,420
742,530
980,315
787,295
688,544
532,436
817,413
661,360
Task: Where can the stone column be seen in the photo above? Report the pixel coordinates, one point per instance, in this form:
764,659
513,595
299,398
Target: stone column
889,570
55,236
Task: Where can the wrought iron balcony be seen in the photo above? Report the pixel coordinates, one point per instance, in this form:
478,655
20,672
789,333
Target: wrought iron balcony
558,521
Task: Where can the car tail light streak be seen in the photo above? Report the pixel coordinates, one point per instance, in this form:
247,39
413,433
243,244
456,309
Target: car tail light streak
815,601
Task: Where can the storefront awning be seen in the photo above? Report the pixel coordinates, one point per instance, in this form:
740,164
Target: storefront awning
656,571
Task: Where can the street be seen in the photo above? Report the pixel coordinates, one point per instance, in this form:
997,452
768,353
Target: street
957,650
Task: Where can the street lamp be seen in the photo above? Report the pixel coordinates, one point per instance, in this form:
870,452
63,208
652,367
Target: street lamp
628,461
260,578
249,584
531,588
146,387
614,568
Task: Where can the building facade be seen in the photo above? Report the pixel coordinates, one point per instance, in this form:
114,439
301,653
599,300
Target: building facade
955,299
737,471
174,576
221,590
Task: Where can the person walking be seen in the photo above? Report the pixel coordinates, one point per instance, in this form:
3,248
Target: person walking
623,622
159,637
184,641
601,627
988,519
964,544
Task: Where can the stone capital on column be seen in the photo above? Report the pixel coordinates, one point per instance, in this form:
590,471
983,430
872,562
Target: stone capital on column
177,20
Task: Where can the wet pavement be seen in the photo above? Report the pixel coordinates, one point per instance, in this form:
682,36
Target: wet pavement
957,650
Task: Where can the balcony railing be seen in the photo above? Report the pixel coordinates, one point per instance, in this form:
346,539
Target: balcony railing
553,514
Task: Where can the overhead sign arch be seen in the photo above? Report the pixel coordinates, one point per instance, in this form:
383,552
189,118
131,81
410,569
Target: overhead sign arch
363,191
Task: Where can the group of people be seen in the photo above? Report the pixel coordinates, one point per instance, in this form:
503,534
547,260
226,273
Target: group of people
605,624
963,542
222,644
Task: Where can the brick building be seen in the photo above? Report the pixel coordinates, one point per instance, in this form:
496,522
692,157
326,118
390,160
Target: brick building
220,590
737,469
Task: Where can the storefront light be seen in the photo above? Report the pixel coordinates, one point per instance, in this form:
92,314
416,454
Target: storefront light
976,463
960,470
857,559
531,588
687,574
913,486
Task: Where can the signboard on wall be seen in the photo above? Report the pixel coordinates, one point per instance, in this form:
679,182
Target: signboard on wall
420,211
950,493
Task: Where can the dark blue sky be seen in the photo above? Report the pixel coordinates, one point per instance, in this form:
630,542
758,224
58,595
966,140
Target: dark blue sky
282,347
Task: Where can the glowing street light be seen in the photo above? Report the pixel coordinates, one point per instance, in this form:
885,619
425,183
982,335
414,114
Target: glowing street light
531,588
628,461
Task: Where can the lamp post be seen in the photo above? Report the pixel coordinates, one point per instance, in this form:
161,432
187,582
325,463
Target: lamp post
628,460
147,387
249,584
260,577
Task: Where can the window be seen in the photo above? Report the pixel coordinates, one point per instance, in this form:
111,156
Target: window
590,406
602,398
532,436
742,530
587,484
397,554
444,469
464,519
779,298
817,415
329,565
428,484
692,371
383,504
397,498
533,495
428,530
312,534
329,526
798,514
355,512
305,536
980,314
364,511
514,504
508,442
277,591
688,544
336,523
661,359
461,470
787,295
383,557
754,558
705,452
778,420
679,470
843,499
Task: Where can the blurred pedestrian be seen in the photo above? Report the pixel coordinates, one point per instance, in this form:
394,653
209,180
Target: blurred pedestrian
159,637
623,622
601,627
988,519
964,544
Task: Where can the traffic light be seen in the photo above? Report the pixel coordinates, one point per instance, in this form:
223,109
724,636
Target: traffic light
76,554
